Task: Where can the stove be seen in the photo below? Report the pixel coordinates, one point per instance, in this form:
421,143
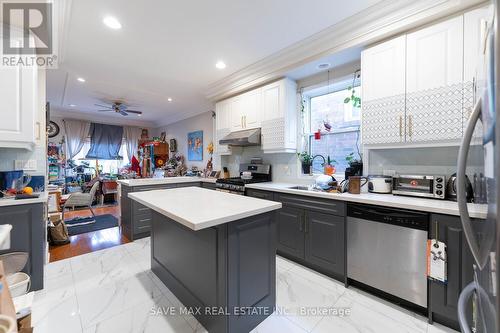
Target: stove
260,173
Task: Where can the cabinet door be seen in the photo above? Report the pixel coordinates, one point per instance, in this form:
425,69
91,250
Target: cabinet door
383,69
19,105
434,82
290,231
324,242
272,101
222,126
236,111
252,109
475,25
444,297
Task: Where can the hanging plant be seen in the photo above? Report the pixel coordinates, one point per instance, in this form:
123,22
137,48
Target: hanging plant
354,99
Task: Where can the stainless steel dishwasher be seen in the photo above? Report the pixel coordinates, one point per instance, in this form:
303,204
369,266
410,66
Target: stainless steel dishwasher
386,250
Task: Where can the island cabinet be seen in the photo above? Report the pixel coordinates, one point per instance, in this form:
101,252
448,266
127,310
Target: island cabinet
443,298
218,259
312,232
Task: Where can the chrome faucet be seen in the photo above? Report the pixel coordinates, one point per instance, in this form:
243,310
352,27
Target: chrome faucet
312,162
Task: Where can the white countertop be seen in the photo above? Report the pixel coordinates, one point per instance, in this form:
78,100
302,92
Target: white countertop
166,180
43,197
198,208
388,200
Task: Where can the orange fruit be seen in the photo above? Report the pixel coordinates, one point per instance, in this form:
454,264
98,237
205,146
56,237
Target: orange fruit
28,190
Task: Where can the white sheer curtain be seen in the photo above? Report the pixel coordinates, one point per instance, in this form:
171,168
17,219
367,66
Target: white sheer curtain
131,135
76,132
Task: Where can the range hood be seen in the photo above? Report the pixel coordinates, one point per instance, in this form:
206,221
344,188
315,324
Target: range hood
243,138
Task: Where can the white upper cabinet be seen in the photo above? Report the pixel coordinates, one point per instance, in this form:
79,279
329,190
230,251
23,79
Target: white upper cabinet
435,56
384,69
383,78
476,23
273,108
252,109
222,126
434,82
19,106
246,110
279,117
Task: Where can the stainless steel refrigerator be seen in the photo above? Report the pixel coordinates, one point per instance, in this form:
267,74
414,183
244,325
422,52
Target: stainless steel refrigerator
483,235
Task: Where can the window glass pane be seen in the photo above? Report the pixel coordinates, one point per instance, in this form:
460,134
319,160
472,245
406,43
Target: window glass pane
337,146
344,121
330,108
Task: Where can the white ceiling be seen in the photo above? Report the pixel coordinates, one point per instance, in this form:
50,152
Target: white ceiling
169,48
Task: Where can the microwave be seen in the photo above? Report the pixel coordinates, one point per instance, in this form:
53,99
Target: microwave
424,186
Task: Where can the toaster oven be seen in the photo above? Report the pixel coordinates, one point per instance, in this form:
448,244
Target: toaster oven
425,186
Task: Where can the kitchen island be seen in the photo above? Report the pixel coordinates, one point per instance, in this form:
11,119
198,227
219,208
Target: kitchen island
216,252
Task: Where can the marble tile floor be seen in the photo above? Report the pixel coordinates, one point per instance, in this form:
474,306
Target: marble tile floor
114,291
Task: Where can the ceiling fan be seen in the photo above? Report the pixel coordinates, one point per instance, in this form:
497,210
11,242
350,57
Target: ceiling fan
118,107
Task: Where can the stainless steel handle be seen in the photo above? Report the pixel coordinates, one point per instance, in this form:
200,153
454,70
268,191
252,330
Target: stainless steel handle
401,127
144,220
241,121
301,223
410,125
461,191
462,305
144,208
245,121
39,135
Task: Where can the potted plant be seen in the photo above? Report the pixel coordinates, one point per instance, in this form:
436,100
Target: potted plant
329,168
355,166
306,160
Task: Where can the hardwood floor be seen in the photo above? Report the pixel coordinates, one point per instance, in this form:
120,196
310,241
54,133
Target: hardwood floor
92,241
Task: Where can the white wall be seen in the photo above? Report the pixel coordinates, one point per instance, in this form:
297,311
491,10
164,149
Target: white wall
179,131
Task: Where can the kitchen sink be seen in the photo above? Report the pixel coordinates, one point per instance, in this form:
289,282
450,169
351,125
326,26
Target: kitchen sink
302,187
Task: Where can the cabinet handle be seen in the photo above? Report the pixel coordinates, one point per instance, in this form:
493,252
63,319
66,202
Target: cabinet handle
245,121
410,125
401,127
241,121
39,132
301,223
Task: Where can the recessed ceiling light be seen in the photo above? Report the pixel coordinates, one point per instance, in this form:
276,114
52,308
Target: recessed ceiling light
139,115
323,65
81,79
112,22
220,65
72,105
170,99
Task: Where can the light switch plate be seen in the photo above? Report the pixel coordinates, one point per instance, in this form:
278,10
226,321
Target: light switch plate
26,165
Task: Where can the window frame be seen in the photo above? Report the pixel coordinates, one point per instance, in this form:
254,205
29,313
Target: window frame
318,91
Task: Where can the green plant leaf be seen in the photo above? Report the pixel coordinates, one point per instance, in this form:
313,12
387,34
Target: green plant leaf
349,88
347,99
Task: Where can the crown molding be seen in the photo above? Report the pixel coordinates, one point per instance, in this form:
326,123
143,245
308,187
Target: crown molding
371,25
110,120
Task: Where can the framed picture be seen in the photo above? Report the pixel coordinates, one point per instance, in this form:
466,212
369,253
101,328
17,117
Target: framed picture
195,146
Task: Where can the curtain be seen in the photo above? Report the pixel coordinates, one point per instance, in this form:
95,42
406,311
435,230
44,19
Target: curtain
76,132
105,142
131,135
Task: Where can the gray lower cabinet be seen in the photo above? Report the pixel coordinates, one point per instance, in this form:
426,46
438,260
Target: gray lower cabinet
259,194
289,231
324,245
443,298
29,234
312,232
136,218
210,186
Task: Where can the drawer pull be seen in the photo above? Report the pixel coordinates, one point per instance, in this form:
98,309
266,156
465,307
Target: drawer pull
144,208
144,220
